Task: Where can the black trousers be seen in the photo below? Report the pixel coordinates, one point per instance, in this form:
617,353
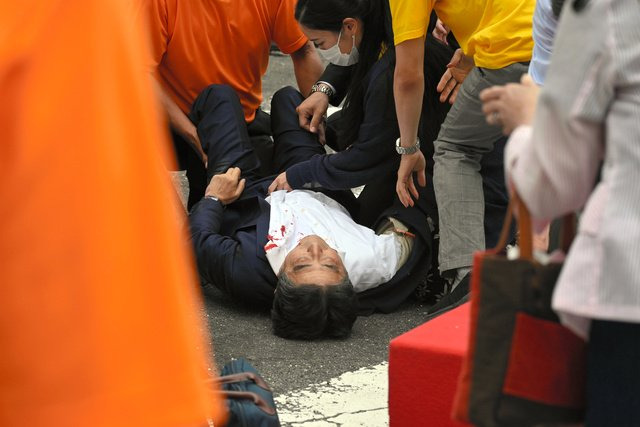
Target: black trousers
222,130
381,193
293,145
613,377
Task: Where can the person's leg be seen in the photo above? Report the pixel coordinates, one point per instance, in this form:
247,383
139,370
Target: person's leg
376,196
222,130
260,135
464,138
189,160
613,377
496,195
292,144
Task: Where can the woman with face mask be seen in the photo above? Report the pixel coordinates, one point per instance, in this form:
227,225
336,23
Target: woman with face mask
355,34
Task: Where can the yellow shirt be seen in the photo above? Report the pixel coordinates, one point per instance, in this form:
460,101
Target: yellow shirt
496,33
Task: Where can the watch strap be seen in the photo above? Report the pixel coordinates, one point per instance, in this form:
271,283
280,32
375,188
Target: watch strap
407,150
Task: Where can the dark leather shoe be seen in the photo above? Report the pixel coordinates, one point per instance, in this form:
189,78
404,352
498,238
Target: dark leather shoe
459,295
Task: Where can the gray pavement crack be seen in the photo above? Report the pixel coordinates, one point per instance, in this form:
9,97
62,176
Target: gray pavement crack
329,418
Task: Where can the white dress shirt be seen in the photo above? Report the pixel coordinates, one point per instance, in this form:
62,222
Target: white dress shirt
370,259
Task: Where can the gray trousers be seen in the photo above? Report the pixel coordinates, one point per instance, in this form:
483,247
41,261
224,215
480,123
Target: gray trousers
465,136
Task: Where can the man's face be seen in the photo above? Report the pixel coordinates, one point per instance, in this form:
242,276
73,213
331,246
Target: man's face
314,262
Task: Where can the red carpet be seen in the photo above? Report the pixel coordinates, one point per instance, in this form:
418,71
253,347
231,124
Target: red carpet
424,365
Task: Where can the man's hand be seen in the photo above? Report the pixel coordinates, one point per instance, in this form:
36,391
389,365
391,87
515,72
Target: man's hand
280,183
405,187
457,70
227,187
440,32
511,105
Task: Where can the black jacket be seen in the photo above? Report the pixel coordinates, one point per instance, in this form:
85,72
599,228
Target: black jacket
229,245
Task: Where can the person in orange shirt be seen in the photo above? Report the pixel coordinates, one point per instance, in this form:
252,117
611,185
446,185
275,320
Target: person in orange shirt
195,44
99,309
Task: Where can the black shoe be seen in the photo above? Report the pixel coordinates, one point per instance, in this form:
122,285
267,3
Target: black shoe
458,296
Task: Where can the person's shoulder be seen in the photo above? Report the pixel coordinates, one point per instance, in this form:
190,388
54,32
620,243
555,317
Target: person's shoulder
382,69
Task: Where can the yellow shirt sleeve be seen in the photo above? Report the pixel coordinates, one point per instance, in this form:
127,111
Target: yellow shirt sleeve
410,18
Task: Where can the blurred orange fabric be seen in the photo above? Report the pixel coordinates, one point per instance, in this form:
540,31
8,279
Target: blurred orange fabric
99,310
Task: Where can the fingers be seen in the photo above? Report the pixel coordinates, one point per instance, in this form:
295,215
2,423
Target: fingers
303,117
422,179
240,188
412,188
322,134
317,118
446,77
454,94
403,195
527,80
448,89
272,187
493,92
233,173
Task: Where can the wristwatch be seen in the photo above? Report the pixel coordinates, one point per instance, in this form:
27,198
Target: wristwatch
323,88
214,198
407,150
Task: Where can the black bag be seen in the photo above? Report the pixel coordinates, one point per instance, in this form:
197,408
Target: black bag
248,397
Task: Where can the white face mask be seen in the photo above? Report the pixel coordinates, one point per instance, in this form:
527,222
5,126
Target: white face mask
336,57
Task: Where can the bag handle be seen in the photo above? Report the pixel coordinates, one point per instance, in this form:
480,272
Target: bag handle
244,376
525,235
249,395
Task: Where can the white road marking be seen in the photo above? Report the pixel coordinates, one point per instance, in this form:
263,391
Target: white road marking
356,398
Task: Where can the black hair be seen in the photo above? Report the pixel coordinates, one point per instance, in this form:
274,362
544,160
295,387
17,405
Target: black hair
327,15
308,311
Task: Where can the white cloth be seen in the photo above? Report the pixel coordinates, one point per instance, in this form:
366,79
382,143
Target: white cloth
369,259
588,109
544,31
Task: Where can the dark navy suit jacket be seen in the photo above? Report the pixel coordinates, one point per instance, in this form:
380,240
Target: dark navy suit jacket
229,245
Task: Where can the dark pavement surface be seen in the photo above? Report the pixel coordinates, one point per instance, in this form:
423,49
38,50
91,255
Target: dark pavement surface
289,365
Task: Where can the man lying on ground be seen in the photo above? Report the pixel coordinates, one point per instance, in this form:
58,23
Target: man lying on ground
300,253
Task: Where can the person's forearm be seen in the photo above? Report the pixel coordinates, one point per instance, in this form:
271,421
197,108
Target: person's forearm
408,89
177,118
307,67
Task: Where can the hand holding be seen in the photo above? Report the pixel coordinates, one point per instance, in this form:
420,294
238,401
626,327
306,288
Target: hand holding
311,111
280,183
226,187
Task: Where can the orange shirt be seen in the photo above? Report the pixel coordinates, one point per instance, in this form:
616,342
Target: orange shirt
198,43
99,311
